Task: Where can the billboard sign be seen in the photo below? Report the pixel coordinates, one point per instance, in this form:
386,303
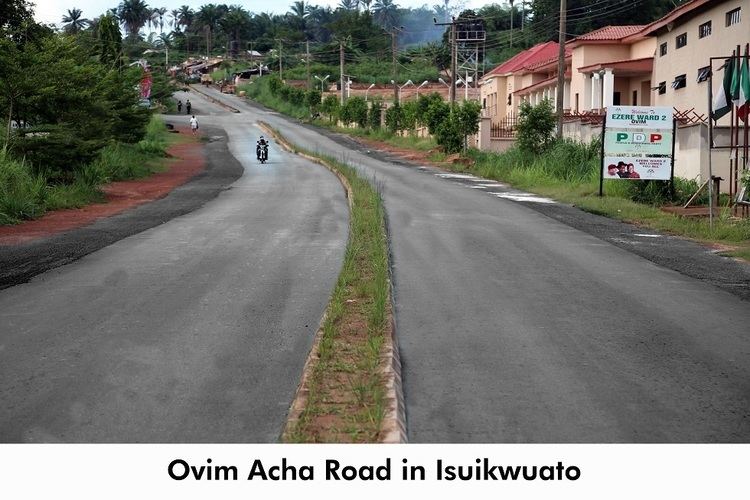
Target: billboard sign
638,143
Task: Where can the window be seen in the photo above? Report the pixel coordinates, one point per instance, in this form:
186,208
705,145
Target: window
733,16
662,88
704,30
679,82
681,40
704,73
663,49
634,101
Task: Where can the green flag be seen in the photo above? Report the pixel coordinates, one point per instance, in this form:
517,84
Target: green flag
743,94
723,97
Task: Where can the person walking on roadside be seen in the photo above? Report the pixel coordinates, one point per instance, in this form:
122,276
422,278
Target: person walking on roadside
194,124
179,106
188,107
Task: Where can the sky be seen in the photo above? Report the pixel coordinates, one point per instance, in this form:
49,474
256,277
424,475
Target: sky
51,11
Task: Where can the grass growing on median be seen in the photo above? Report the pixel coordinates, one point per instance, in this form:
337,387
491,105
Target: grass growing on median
346,392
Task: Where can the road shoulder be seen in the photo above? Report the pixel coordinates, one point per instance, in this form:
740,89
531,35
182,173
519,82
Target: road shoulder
24,258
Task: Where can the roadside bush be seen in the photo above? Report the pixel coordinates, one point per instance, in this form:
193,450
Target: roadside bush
296,96
448,133
437,113
658,193
536,125
22,193
312,100
374,115
330,107
409,112
54,151
354,111
393,118
274,84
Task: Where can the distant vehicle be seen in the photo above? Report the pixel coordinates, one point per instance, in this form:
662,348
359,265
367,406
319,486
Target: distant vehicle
206,79
146,103
263,154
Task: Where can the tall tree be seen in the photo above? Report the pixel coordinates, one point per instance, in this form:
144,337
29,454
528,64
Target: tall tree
157,17
233,24
134,14
73,22
386,13
109,41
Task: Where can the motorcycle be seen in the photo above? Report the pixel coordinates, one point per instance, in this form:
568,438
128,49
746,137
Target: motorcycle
263,153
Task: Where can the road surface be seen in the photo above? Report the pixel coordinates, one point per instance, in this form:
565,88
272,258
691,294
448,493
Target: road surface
516,327
195,330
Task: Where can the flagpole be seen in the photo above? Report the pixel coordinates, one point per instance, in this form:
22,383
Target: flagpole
710,150
736,169
747,114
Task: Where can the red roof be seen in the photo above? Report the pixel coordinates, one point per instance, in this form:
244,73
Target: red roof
536,54
609,33
677,13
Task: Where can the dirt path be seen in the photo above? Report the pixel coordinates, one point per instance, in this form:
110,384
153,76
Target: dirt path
189,160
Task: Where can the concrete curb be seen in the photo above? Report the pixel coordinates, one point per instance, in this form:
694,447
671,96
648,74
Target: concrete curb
214,100
393,429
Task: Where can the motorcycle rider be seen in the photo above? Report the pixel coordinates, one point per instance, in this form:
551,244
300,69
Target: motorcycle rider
259,146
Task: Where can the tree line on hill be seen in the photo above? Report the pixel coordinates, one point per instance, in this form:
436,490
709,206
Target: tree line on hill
365,26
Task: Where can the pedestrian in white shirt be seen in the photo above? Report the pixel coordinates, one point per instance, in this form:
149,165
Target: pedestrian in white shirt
194,124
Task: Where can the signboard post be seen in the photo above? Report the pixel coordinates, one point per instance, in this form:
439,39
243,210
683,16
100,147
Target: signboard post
637,143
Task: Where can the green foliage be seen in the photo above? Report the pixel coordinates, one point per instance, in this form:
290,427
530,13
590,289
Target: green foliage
22,193
354,111
109,41
55,151
409,112
448,133
437,112
536,125
27,192
330,107
374,115
274,85
394,118
312,99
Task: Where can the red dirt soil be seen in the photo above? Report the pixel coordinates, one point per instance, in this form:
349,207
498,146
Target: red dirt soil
120,196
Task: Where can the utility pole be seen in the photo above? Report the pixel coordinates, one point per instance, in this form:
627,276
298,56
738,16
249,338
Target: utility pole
511,23
454,55
394,69
341,67
523,12
281,75
561,70
307,62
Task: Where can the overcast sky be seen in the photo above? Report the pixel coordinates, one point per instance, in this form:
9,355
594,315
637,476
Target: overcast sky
51,11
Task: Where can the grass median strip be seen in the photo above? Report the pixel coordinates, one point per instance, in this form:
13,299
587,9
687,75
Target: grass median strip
345,393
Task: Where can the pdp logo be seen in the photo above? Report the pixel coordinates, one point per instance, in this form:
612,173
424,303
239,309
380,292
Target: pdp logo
638,138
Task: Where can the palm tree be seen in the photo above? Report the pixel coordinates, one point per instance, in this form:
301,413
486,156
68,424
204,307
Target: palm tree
386,12
365,5
233,23
348,4
185,17
157,17
174,14
208,18
74,22
300,10
134,14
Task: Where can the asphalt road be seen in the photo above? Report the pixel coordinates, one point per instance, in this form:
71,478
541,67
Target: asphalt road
521,320
195,330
